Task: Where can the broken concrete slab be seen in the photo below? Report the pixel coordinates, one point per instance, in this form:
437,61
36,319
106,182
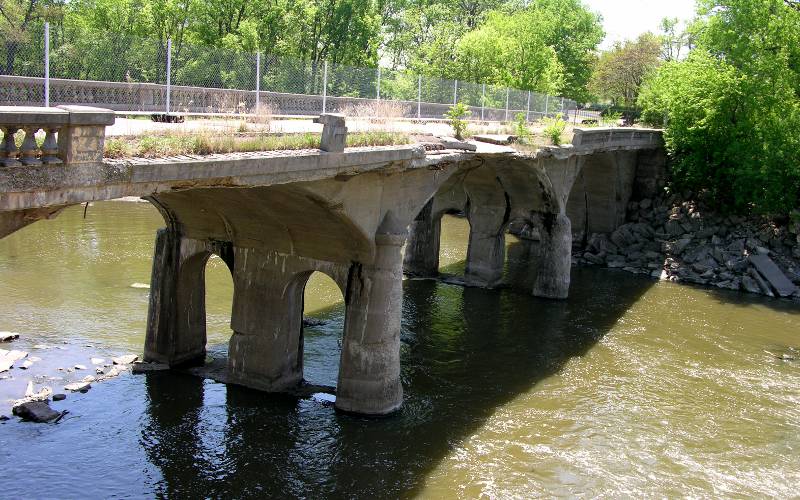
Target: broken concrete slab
772,273
8,358
499,139
138,368
453,143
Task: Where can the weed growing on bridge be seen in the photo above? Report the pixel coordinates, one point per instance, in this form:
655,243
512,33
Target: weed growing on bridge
458,114
553,128
204,143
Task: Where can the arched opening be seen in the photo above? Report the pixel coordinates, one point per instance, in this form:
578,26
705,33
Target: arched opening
453,243
322,330
219,304
522,246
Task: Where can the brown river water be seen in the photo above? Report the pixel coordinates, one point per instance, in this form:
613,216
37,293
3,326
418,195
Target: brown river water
631,388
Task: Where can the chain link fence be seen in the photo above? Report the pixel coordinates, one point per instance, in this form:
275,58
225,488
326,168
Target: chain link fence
131,75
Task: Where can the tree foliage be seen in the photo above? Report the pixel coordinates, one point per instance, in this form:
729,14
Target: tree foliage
542,45
619,72
732,108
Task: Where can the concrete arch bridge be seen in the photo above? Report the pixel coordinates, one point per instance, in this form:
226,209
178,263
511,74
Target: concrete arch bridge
357,214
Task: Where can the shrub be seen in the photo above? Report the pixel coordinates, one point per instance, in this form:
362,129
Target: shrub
457,115
521,126
553,128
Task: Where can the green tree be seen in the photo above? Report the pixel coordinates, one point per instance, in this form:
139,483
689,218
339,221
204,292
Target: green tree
732,108
619,72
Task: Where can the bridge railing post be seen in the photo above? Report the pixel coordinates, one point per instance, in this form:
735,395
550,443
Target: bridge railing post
46,65
325,88
334,132
169,74
258,82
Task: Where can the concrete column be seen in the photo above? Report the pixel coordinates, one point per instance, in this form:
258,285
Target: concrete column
369,370
486,251
266,349
555,257
176,318
421,257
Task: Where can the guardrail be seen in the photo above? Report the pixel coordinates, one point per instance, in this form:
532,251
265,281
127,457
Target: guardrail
152,98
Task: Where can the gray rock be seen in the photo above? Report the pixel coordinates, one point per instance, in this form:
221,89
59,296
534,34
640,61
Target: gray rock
645,203
59,397
8,336
763,285
674,228
750,285
78,387
35,411
125,360
593,258
79,367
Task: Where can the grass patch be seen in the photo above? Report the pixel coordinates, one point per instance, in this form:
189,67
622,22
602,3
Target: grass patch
161,145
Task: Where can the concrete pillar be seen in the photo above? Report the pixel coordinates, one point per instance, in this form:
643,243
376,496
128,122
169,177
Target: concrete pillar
421,257
176,318
555,257
266,349
486,251
369,370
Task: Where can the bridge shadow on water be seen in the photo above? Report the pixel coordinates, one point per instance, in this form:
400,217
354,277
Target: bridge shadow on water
466,352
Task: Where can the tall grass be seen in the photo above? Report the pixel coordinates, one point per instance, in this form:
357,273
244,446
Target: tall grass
161,145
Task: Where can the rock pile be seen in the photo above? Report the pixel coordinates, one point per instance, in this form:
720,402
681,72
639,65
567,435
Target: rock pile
680,241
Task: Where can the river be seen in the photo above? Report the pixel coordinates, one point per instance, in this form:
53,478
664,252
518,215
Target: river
630,388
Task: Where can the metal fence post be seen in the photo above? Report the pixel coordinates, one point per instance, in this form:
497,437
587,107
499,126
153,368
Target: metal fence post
562,105
258,81
169,70
455,93
528,108
325,88
419,97
379,83
508,94
546,104
483,99
46,65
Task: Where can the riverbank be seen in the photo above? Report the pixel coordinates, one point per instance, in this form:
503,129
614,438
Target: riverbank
672,239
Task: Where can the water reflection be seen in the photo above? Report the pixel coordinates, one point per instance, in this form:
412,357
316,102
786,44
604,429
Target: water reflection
466,352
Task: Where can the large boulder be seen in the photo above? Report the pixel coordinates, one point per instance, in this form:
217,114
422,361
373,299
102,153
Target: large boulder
36,411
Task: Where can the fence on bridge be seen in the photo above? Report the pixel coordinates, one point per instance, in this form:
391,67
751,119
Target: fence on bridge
143,75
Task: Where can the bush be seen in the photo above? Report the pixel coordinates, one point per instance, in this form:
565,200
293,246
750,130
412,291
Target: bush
457,115
732,108
521,126
553,128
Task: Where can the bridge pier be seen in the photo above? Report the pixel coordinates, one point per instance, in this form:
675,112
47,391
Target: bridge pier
266,349
369,370
553,265
486,251
176,318
421,257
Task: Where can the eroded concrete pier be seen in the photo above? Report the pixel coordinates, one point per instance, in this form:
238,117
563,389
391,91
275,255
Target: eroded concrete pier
276,217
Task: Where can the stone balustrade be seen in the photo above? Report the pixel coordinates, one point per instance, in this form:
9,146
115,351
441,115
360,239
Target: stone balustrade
599,137
71,134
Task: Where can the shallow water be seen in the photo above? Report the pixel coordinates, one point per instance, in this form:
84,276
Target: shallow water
630,388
